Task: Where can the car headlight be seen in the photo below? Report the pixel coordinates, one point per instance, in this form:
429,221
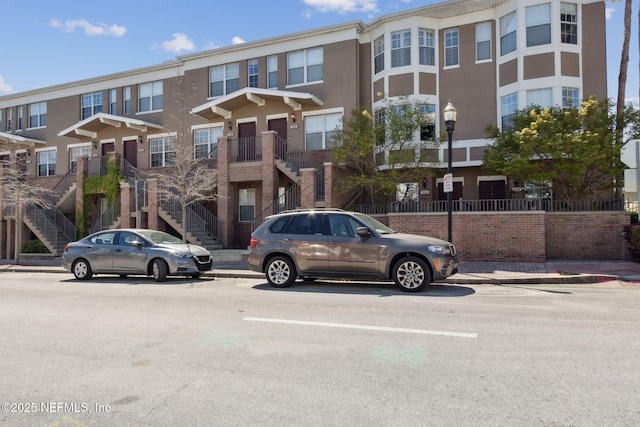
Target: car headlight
181,255
440,250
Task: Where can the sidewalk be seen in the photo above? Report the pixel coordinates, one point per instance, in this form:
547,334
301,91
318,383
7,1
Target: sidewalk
551,272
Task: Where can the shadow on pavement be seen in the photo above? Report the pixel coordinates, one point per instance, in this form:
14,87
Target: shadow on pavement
381,289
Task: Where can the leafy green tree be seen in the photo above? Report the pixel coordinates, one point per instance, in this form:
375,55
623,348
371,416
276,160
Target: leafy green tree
395,144
573,149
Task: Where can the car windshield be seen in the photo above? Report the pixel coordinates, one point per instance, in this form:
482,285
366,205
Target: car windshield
160,237
374,224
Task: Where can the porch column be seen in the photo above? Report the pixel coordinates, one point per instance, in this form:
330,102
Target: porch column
81,172
127,206
225,196
269,170
308,189
153,199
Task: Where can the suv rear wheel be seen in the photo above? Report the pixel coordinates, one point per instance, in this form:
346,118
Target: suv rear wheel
411,274
280,272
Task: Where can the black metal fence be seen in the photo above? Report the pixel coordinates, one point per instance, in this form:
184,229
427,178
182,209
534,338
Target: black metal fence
509,205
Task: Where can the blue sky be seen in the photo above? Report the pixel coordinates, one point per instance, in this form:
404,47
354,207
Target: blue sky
52,42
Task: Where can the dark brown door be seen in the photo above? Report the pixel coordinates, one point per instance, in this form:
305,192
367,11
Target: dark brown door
108,148
247,142
131,152
280,127
490,190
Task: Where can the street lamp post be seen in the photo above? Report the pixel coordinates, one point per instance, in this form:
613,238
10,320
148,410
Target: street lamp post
449,114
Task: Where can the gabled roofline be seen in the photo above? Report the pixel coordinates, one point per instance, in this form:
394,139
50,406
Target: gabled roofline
108,120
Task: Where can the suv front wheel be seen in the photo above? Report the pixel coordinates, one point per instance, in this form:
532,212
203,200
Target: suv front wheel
411,274
280,272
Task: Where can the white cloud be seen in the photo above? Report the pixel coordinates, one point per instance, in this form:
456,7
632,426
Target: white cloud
70,26
608,13
633,101
4,88
179,43
342,6
237,40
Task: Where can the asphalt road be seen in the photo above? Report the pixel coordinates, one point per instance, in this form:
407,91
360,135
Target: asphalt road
236,352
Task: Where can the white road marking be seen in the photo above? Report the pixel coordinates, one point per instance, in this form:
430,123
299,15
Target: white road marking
366,327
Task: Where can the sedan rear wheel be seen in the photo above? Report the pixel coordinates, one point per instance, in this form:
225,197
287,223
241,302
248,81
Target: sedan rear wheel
411,274
159,270
281,273
82,270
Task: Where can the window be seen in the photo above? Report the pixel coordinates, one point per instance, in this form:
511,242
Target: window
508,33
427,43
305,66
428,131
320,130
569,23
540,97
126,98
205,141
224,79
47,163
20,115
113,98
538,24
76,152
509,108
150,97
247,204
400,48
570,97
451,47
308,224
38,114
483,41
253,73
9,119
91,104
163,151
272,71
378,54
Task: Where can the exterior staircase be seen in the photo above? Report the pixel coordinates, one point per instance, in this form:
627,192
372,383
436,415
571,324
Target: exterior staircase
203,228
50,225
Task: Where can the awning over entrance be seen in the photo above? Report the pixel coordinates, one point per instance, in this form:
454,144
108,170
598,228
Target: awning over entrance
89,127
224,106
19,141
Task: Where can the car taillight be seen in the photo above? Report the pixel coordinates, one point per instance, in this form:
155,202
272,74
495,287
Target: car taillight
253,242
66,248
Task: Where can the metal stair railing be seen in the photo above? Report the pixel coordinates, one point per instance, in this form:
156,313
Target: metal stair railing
50,222
107,218
198,218
291,199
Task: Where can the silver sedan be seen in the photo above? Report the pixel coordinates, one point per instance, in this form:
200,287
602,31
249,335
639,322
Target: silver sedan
135,251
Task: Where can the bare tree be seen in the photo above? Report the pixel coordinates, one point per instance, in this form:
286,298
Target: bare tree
187,179
18,193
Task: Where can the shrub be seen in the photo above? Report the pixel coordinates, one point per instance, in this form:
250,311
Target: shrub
35,247
632,234
634,217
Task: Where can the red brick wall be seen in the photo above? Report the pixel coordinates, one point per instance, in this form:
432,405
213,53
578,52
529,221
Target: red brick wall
587,235
524,236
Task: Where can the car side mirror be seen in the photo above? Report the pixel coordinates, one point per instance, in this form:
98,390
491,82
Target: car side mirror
363,232
136,244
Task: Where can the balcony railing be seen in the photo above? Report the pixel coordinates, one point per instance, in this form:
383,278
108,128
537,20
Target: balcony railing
509,205
247,149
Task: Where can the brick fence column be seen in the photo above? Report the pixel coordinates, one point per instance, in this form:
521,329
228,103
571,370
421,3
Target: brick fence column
308,189
126,205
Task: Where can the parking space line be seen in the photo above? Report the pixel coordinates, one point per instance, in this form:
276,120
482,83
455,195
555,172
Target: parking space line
365,327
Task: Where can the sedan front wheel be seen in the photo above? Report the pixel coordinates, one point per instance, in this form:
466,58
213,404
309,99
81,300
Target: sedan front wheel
411,274
82,270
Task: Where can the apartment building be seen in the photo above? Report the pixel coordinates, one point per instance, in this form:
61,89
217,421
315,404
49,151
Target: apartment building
264,113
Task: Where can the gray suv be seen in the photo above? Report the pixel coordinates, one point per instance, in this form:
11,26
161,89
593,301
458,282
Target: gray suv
338,244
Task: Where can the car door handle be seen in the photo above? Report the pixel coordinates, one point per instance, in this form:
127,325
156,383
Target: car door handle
118,250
